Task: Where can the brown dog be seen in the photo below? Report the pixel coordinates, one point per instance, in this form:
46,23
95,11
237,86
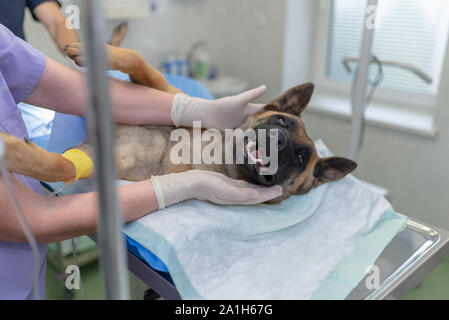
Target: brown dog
142,151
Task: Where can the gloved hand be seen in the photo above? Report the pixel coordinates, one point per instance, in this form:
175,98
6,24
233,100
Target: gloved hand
224,113
215,187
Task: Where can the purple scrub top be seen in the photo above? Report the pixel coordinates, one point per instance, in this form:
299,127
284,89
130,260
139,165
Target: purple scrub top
21,67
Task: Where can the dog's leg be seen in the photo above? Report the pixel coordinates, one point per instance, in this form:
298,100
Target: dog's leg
129,62
118,34
26,158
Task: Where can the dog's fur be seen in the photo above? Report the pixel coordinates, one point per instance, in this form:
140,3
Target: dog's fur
142,151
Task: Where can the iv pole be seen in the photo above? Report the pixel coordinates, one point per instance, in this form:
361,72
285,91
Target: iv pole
101,134
361,81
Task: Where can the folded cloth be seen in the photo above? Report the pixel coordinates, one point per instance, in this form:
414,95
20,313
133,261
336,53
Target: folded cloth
312,246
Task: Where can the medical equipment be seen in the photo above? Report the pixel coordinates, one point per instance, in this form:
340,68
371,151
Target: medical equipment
22,220
378,80
374,84
405,262
359,99
397,64
360,83
100,125
175,64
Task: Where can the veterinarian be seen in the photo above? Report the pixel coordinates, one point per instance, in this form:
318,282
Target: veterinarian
27,75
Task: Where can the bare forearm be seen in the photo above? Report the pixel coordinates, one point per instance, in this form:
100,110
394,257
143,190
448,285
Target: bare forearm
139,105
69,216
62,36
64,90
66,220
55,22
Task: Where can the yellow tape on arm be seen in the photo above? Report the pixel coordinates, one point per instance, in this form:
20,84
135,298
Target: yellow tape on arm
84,166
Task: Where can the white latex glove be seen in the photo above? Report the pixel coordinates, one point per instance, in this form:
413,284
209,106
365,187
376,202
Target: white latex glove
224,113
215,187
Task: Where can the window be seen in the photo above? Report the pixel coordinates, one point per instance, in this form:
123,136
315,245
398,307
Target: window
412,31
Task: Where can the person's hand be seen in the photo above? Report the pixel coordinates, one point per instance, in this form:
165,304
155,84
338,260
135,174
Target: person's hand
224,113
212,186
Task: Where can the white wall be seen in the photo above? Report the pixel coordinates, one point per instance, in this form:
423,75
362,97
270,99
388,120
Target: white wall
254,38
153,37
176,30
245,37
413,168
37,36
299,35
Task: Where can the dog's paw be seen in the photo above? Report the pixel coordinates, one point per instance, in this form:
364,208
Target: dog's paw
118,34
75,51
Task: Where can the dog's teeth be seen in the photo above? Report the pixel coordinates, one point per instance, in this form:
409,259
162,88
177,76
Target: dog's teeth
250,144
253,158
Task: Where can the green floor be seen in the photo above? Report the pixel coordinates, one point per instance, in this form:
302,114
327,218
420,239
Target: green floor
435,286
91,283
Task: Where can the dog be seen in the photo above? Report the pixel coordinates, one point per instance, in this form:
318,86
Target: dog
143,151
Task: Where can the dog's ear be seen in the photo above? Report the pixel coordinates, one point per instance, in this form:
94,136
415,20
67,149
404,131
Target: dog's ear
332,169
293,100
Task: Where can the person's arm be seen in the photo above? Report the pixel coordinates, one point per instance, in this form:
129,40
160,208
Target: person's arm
59,218
64,90
54,20
65,217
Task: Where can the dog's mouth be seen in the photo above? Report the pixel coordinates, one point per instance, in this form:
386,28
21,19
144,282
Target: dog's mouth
256,162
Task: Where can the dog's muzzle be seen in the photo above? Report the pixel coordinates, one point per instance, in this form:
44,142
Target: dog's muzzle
259,157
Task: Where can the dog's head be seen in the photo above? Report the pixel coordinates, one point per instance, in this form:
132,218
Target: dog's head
299,166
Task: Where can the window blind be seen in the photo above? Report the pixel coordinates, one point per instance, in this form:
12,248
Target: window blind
412,31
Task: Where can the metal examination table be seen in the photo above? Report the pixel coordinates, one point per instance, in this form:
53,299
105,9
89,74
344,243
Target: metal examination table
404,263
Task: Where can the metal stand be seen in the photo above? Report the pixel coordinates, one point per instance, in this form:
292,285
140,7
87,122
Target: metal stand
360,85
101,134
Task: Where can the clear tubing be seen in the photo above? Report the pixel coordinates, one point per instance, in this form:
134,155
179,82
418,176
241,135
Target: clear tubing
75,257
57,191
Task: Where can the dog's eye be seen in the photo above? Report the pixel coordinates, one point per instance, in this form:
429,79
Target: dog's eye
282,121
303,154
